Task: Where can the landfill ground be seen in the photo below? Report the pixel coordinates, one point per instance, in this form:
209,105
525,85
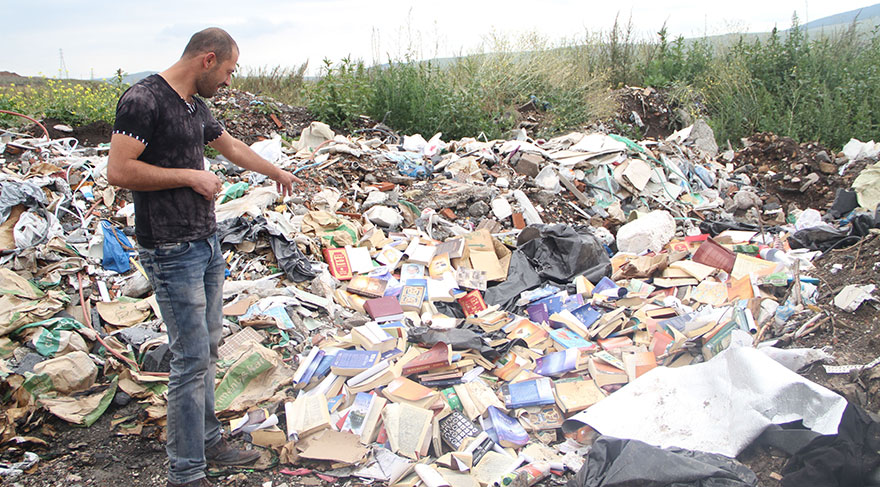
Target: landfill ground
125,445
99,456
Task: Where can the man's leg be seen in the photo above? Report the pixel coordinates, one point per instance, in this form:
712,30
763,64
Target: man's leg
214,277
177,273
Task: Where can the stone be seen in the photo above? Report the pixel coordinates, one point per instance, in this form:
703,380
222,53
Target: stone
808,181
822,156
827,167
384,216
743,200
650,232
703,138
501,208
544,197
529,164
478,209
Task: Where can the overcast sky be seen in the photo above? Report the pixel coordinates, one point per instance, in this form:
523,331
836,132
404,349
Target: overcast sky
99,36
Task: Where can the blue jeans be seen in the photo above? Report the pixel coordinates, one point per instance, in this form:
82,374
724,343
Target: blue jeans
187,279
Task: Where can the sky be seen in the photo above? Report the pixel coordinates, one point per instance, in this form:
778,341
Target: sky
97,37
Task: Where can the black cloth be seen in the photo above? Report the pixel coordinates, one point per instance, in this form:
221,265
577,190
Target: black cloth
175,133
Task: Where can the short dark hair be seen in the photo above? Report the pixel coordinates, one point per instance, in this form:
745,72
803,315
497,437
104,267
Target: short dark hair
212,39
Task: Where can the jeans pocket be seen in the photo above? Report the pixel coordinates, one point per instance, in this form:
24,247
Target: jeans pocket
171,250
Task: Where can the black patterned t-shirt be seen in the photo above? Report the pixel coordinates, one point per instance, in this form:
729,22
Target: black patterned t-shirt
175,134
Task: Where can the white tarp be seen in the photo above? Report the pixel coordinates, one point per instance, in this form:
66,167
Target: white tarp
719,406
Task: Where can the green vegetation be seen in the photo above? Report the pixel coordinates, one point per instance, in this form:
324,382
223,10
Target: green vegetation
73,102
825,87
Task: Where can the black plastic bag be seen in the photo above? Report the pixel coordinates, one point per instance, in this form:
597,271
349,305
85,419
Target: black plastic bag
521,276
559,253
613,462
295,265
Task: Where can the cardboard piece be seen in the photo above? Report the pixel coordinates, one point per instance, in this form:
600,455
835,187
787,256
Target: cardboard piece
334,446
486,254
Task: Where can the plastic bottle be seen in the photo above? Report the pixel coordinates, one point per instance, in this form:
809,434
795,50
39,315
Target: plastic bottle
531,473
776,255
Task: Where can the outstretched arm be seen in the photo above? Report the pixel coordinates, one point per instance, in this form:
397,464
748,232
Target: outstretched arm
241,155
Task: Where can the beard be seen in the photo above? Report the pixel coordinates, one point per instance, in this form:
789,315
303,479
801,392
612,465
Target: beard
206,87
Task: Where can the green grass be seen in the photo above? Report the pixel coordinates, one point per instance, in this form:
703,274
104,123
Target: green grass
74,102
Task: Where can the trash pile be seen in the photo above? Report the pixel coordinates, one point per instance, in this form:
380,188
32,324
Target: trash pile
465,313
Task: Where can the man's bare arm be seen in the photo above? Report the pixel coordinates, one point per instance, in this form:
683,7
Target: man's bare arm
241,155
126,171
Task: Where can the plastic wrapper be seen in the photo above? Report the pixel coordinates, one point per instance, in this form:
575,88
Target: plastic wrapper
623,463
559,253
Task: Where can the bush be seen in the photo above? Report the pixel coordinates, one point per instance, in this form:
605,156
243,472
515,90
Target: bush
72,102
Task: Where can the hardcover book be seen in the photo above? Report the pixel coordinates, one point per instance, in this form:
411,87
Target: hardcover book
337,261
368,287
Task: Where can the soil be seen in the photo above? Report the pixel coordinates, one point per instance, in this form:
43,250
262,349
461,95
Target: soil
648,112
89,135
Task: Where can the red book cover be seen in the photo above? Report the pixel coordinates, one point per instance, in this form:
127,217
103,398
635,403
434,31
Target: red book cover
383,307
472,303
437,356
340,267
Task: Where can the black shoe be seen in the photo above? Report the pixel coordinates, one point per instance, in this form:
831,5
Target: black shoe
202,482
223,454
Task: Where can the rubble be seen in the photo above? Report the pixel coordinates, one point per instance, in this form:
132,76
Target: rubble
450,313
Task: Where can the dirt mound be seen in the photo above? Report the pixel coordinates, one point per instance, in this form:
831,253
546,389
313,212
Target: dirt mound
807,174
646,111
251,117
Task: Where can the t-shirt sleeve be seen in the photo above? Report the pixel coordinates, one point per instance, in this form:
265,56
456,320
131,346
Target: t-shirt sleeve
136,114
213,128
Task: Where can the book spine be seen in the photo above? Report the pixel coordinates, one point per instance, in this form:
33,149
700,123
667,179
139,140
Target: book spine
422,368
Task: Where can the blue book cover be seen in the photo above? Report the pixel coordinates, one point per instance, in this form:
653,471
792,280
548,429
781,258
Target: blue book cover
573,302
557,363
538,313
587,315
355,359
569,339
324,366
537,392
503,429
310,371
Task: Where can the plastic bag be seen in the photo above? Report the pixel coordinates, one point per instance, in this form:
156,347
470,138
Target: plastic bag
269,149
116,249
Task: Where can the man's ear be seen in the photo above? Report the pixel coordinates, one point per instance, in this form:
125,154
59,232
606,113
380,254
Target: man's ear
208,60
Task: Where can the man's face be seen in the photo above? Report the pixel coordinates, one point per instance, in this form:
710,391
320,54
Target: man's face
217,76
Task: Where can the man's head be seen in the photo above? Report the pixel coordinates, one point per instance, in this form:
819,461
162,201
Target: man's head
216,54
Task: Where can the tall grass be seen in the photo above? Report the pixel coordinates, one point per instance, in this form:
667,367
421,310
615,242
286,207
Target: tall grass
282,83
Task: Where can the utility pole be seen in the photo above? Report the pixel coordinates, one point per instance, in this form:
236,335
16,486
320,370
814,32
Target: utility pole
62,68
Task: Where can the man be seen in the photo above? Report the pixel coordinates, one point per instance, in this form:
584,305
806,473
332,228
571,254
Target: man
156,151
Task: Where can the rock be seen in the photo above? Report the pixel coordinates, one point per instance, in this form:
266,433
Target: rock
703,138
529,164
650,232
544,197
478,209
822,156
744,199
808,181
827,167
374,198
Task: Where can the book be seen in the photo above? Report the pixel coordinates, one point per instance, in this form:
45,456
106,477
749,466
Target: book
605,375
455,427
442,289
407,427
371,337
503,429
368,287
337,261
454,247
413,294
569,339
307,367
508,365
349,363
557,363
389,257
471,278
530,332
536,392
538,313
418,253
577,395
472,302
306,415
403,390
411,271
357,413
371,421
359,258
439,265
438,356
376,376
587,315
384,309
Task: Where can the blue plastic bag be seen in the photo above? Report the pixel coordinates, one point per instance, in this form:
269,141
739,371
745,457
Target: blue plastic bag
117,249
